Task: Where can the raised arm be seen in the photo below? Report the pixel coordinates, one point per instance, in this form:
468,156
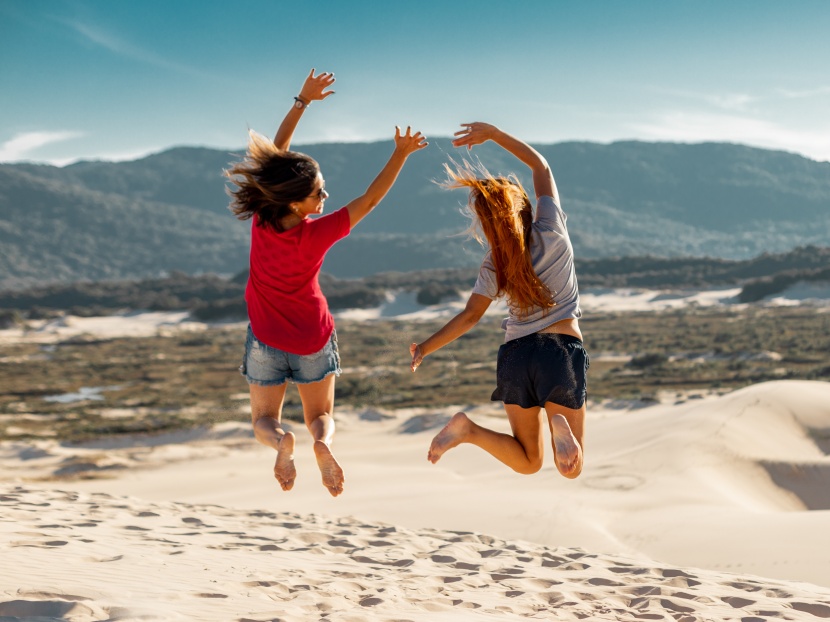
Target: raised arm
314,89
452,330
404,146
478,133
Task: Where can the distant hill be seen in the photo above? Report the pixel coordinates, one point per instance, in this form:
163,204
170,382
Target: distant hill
168,211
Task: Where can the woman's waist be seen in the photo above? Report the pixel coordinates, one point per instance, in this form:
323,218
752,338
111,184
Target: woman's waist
569,326
516,327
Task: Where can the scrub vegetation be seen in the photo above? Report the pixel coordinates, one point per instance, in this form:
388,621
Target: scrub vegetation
162,383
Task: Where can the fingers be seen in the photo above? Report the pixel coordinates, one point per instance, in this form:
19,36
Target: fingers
408,140
316,86
415,351
325,75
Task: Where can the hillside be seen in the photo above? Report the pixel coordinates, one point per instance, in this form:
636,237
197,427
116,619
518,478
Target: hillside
168,211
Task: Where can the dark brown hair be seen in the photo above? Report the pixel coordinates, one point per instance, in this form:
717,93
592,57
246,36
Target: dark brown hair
501,211
268,180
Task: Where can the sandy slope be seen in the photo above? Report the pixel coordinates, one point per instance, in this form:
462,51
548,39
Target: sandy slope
193,524
85,557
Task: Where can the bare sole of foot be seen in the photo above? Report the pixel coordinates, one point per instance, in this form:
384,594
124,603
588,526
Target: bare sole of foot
568,453
332,473
451,436
284,469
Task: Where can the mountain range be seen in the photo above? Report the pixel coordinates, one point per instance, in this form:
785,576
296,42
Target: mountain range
168,211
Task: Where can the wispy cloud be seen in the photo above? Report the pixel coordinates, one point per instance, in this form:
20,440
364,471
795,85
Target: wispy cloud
805,93
121,46
701,127
737,102
20,146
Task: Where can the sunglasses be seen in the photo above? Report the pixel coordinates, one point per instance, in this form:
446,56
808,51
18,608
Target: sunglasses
320,194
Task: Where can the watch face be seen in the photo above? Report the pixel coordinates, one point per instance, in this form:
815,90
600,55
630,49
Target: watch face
298,104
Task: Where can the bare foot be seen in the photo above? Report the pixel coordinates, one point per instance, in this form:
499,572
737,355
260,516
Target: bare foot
284,469
566,449
451,436
332,473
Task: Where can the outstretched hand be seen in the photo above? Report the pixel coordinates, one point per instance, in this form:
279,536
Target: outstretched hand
314,87
417,357
409,142
474,134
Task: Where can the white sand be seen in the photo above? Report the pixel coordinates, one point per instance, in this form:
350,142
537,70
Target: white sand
680,511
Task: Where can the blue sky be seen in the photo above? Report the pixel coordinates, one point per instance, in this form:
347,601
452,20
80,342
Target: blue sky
95,79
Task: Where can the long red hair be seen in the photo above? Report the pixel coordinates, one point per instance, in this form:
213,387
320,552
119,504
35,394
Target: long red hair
500,210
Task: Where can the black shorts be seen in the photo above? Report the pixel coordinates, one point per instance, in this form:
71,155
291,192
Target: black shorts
542,367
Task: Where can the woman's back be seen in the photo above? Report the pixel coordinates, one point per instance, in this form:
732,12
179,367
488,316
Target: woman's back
286,307
552,258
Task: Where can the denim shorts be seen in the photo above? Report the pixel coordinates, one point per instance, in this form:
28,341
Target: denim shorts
540,368
267,366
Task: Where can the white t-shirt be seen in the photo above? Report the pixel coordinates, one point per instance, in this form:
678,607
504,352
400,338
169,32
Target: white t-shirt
552,257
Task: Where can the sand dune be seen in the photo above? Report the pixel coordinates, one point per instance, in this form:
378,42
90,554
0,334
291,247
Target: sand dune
84,557
722,491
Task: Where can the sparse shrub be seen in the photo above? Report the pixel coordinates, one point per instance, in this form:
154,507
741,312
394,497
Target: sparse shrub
234,309
8,319
435,293
41,313
649,359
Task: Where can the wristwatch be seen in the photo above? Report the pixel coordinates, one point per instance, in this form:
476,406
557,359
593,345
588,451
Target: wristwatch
299,103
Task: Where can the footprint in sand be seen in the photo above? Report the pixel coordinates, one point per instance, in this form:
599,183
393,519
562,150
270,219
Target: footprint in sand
44,609
816,609
104,560
619,482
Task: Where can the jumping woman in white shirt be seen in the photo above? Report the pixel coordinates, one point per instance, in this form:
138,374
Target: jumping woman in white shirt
542,365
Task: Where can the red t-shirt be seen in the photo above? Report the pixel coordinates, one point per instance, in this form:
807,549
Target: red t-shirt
286,307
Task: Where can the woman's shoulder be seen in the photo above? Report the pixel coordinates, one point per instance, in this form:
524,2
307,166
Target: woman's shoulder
549,214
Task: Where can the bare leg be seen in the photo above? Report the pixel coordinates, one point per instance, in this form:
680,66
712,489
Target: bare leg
522,451
266,418
567,428
318,411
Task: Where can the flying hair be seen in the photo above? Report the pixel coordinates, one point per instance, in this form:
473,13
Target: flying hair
501,213
268,180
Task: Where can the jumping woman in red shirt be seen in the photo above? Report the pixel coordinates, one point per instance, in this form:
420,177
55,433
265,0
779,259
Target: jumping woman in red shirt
291,334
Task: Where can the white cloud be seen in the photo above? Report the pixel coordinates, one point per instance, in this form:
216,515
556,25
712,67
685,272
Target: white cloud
701,127
805,93
122,47
732,101
724,101
21,145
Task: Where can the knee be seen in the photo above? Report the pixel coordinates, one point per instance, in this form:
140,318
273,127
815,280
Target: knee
264,423
321,418
533,465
